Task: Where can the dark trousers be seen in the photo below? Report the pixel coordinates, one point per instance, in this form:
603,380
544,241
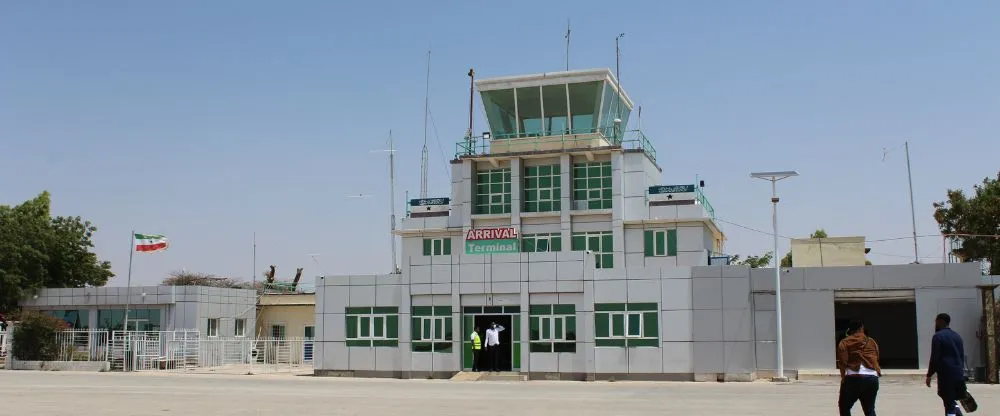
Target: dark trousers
950,392
475,359
493,358
858,388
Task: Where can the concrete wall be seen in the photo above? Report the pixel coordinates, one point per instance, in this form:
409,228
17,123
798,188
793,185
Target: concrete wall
715,321
808,301
294,317
827,252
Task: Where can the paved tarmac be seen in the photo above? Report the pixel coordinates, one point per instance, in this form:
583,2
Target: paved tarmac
113,394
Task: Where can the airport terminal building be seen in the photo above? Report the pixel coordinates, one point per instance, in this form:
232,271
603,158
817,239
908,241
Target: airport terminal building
559,228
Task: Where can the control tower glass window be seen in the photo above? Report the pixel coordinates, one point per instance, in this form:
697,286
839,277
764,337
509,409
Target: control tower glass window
585,105
542,188
592,185
500,111
555,109
493,191
529,111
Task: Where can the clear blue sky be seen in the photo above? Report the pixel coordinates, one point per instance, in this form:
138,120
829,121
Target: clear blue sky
209,121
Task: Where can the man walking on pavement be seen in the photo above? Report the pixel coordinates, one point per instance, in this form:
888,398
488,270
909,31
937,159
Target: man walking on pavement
477,346
948,363
493,346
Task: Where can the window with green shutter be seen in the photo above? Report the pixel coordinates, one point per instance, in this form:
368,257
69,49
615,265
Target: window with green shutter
552,328
601,243
432,329
541,243
626,325
437,246
660,242
372,326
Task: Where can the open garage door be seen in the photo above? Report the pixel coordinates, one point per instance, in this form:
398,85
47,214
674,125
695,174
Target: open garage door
890,317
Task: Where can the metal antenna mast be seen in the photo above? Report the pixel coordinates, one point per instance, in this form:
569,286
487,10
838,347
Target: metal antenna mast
567,44
618,59
423,153
392,196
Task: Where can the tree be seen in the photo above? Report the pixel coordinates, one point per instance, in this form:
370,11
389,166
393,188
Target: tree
753,262
185,278
39,251
34,337
787,260
975,221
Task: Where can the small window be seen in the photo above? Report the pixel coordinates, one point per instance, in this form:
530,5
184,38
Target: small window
240,327
437,246
278,331
309,332
660,243
213,327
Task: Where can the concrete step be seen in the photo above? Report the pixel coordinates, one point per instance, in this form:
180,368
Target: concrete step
503,376
466,376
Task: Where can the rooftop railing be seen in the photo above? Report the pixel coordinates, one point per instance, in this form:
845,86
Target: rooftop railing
563,140
703,200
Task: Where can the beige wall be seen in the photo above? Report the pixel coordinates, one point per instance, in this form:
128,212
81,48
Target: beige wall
295,312
827,252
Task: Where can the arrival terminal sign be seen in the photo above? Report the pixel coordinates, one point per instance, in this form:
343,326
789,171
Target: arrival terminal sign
492,241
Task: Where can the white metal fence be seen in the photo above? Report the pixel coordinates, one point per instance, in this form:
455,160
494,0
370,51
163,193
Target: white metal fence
4,341
82,345
183,350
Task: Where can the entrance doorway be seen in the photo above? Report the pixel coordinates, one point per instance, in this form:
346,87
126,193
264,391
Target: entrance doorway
504,352
892,323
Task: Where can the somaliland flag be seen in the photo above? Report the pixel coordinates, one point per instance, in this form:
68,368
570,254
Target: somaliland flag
150,243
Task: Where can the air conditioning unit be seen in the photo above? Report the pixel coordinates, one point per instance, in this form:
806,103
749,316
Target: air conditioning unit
580,205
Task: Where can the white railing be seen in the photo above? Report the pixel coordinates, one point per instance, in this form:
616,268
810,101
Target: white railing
4,340
83,345
263,354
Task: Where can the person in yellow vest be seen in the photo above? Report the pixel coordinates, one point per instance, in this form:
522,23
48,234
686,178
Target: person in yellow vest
477,347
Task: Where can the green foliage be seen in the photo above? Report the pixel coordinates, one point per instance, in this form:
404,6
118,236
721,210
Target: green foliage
978,217
39,251
753,262
185,278
35,337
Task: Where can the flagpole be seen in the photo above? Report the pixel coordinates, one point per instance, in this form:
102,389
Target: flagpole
128,298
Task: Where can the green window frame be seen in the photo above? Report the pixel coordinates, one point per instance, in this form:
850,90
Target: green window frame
552,328
492,191
659,243
372,326
437,246
601,243
541,243
542,188
626,325
431,329
592,184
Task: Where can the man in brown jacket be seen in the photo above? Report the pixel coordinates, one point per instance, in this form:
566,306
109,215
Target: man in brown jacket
858,360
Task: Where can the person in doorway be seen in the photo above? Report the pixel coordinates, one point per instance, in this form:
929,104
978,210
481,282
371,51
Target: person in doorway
477,347
493,346
858,360
948,363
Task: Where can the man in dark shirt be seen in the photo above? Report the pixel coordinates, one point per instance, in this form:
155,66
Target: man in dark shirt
948,362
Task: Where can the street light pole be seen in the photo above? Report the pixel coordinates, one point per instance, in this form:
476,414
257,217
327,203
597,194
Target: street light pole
774,177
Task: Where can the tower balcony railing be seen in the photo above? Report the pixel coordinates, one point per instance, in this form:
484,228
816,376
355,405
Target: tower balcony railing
568,140
703,200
